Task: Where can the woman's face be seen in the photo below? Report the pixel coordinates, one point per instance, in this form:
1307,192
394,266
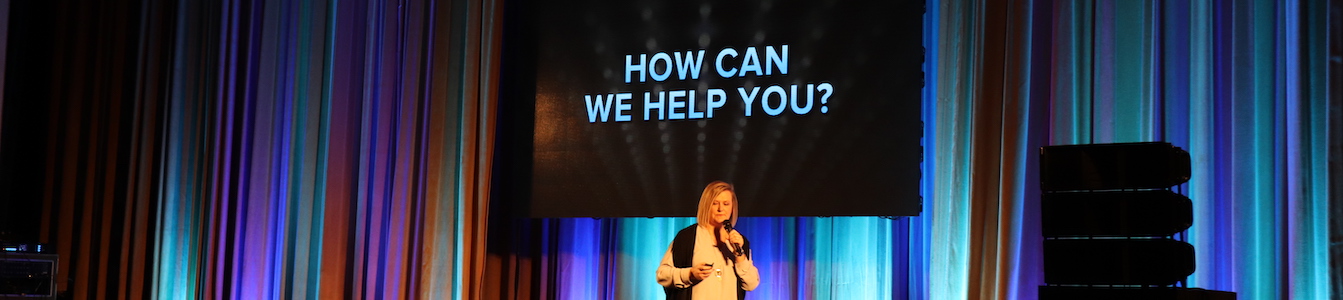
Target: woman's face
721,208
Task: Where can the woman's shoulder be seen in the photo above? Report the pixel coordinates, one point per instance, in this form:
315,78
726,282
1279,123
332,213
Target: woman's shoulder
689,231
691,227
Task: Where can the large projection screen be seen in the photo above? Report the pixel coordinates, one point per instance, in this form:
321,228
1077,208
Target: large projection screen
810,108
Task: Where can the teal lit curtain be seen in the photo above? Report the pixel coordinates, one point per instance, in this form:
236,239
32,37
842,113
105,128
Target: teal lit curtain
952,79
991,107
1241,86
1237,84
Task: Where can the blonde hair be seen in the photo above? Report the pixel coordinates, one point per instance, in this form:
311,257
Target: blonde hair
705,215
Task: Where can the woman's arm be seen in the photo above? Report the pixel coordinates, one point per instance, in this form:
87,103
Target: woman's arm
750,276
671,276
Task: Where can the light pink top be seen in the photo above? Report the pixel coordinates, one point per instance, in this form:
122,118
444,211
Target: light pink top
720,285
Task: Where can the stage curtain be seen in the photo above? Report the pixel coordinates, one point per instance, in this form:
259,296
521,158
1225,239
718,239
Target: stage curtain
319,150
1239,84
81,140
344,149
261,149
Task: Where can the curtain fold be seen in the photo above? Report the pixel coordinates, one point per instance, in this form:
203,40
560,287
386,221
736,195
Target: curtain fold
348,145
262,149
1230,82
81,140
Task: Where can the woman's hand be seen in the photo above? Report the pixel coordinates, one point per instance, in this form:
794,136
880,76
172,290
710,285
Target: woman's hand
734,238
700,272
735,241
730,238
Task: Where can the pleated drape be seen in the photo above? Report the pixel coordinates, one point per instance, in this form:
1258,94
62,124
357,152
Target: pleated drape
82,138
1238,84
342,150
263,149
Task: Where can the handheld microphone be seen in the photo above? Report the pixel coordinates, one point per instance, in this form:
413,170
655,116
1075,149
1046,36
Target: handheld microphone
736,249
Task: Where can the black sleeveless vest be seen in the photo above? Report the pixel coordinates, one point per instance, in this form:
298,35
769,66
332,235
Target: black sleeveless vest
683,252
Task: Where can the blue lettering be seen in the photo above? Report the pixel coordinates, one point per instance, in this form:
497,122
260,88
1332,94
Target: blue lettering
601,107
666,61
692,114
802,110
773,59
622,108
717,97
673,104
691,64
630,67
649,105
725,73
764,100
748,98
751,63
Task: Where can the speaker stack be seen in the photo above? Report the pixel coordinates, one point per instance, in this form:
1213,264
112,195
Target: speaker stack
1109,218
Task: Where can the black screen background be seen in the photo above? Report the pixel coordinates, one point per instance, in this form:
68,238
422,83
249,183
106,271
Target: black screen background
861,158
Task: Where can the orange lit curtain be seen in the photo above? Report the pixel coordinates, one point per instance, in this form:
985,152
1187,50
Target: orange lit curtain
82,137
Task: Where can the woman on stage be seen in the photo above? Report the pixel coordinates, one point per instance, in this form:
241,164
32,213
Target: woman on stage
710,260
